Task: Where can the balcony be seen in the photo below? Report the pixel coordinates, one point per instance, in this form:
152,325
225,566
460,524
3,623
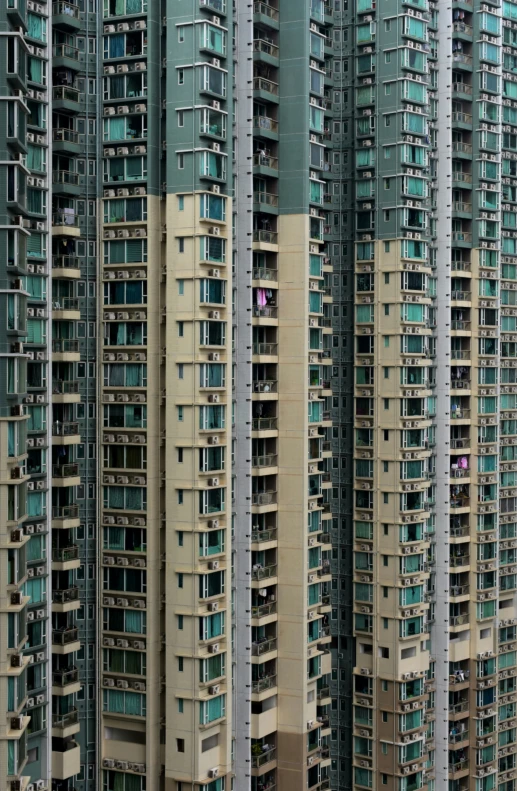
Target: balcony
265,646
263,498
65,475
64,721
267,11
263,610
65,98
65,433
65,15
267,49
66,267
260,536
263,685
65,516
264,424
258,462
65,600
265,239
265,201
265,162
263,572
261,759
266,89
265,386
65,350
65,678
65,224
64,637
65,392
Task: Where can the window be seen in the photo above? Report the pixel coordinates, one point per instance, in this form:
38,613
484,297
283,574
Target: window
386,435
181,244
180,502
386,403
386,341
181,203
384,716
181,77
180,745
180,413
180,705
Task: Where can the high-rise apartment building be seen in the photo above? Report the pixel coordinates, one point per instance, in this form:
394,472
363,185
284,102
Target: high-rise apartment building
258,395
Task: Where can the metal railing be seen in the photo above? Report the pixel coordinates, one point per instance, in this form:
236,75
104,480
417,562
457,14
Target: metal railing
267,237
265,274
261,84
269,460
64,387
61,678
65,262
61,555
265,386
262,685
265,348
65,636
266,161
265,123
266,10
65,470
263,498
264,573
65,429
267,47
66,93
65,136
266,198
65,346
64,720
69,9
65,511
263,610
264,424
259,536
263,647
65,596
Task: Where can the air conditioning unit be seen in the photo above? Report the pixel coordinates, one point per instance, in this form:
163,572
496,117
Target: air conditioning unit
108,763
213,772
213,648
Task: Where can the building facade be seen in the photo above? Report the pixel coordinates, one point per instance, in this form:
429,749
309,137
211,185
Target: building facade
258,487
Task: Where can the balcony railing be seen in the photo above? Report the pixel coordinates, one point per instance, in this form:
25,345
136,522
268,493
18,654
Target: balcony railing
263,498
265,348
267,47
262,273
65,511
64,720
459,175
265,312
459,620
65,346
265,386
261,84
61,678
266,10
462,87
65,470
461,148
65,636
65,429
460,57
459,590
68,219
269,755
458,736
263,647
64,387
63,554
264,424
65,262
258,536
65,596
64,92
266,198
65,51
65,136
263,610
463,207
267,237
460,325
461,236
266,161
264,573
265,461
68,9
